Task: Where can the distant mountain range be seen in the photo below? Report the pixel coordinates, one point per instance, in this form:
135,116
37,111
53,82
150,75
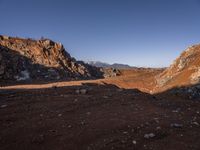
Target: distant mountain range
106,65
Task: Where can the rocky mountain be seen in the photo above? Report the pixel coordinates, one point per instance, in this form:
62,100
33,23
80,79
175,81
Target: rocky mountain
185,70
106,65
28,59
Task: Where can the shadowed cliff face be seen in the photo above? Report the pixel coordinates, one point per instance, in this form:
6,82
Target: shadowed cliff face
23,59
185,70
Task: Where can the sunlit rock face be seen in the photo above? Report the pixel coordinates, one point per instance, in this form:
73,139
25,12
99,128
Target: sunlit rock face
26,59
185,70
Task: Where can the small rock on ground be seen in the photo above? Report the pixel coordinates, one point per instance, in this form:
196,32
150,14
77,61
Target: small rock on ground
150,135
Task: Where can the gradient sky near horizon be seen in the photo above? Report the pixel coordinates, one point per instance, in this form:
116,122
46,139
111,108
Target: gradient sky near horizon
135,32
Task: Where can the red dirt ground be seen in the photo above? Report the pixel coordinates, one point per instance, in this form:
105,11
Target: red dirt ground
111,115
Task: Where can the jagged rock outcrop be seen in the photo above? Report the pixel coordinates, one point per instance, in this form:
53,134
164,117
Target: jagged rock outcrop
185,70
111,72
23,59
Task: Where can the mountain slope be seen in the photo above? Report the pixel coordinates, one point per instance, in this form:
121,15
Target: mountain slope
23,59
185,70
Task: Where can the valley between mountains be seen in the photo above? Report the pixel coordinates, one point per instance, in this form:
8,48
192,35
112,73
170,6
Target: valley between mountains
50,100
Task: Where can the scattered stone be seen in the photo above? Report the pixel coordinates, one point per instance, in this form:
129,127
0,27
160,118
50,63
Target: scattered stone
194,118
125,132
77,91
82,122
195,123
81,91
134,142
59,115
175,111
88,113
150,135
156,120
69,126
24,75
158,128
3,106
176,125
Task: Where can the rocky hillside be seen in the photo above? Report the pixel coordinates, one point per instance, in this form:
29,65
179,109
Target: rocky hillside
28,59
185,70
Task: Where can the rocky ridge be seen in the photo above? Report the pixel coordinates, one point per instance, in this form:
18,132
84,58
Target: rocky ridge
185,70
23,59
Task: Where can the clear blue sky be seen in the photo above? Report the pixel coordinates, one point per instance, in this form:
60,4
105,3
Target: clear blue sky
135,32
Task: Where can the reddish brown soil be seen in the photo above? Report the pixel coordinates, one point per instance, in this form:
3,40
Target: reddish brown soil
54,117
143,79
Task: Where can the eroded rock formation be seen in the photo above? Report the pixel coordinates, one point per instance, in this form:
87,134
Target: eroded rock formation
24,59
185,70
